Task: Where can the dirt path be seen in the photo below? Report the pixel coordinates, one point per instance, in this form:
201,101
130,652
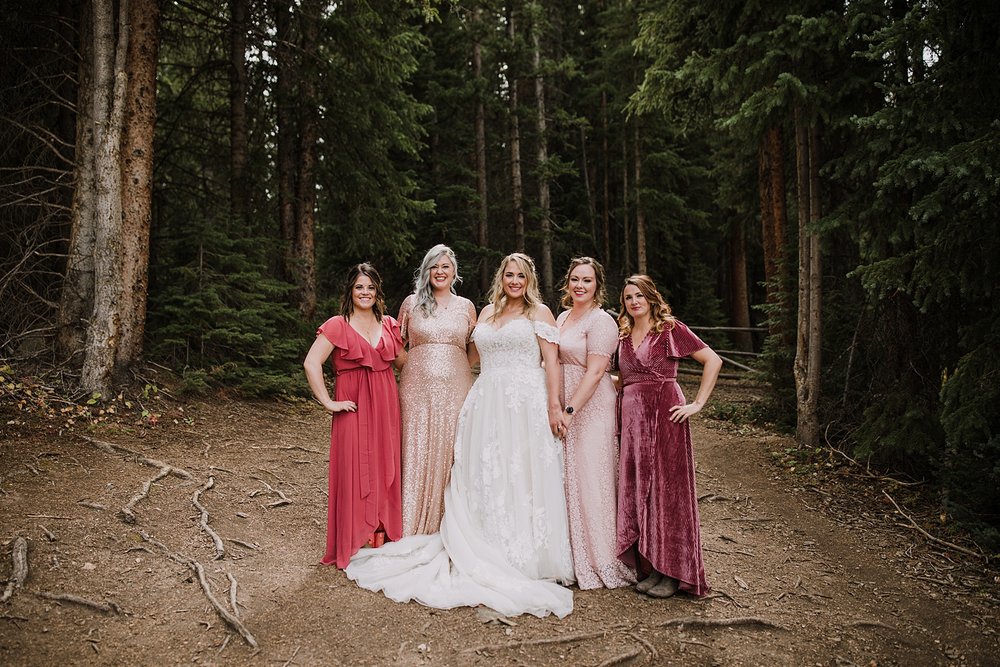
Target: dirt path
826,587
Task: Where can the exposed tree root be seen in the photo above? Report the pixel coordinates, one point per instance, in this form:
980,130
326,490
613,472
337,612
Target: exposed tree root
112,448
49,535
19,554
105,607
282,498
220,548
128,513
913,524
622,658
739,621
653,653
546,641
233,602
232,621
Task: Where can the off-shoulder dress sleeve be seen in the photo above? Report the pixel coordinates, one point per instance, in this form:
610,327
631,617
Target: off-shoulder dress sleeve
546,331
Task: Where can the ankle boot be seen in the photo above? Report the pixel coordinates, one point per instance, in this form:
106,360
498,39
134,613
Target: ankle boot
652,580
666,588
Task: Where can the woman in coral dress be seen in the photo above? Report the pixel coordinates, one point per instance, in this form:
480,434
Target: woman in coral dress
436,325
364,503
588,337
658,525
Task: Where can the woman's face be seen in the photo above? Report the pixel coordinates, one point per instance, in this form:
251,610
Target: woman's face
363,293
442,274
635,303
583,285
514,281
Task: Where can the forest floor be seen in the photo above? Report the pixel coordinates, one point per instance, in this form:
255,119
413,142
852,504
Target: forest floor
810,562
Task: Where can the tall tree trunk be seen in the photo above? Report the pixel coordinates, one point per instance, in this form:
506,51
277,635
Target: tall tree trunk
544,204
815,288
238,115
482,210
640,214
77,298
739,292
605,184
771,189
806,394
304,246
104,330
626,222
588,174
137,176
517,181
284,64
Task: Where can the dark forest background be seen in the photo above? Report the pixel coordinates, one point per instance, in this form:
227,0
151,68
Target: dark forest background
185,182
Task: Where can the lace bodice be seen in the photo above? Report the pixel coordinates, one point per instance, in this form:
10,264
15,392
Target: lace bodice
513,345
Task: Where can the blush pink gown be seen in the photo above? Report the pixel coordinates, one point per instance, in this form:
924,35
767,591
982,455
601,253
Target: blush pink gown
657,499
432,388
364,445
591,453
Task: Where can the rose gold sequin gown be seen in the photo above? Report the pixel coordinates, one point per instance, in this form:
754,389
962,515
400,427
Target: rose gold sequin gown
592,454
432,388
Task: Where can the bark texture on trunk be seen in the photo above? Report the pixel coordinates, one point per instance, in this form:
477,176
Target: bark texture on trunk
482,208
640,214
238,112
304,244
544,203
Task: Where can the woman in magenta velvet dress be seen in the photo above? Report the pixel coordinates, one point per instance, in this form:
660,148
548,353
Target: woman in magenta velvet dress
658,525
364,504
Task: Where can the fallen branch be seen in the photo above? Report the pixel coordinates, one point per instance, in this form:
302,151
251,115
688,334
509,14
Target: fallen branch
19,554
245,545
622,658
49,535
870,624
546,641
230,620
739,621
913,524
220,548
47,516
105,607
128,514
111,448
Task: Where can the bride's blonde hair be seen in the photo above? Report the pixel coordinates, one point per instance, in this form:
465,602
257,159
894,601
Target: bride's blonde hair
532,297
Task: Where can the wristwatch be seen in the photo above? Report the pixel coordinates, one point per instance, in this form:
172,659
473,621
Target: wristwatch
569,409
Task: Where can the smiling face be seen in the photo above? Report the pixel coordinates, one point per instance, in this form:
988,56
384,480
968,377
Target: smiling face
514,281
442,273
635,302
363,293
583,285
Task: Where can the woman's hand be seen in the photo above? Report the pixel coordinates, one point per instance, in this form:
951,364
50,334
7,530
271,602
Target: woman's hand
556,421
680,413
341,406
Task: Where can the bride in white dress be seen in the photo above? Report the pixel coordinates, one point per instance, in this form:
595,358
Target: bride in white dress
504,539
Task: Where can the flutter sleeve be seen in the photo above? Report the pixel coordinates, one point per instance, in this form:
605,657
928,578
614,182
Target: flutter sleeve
335,330
602,337
392,338
405,311
682,342
546,331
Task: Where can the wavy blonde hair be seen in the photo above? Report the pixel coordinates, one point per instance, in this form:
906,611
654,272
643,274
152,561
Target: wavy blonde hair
659,311
532,297
600,291
424,293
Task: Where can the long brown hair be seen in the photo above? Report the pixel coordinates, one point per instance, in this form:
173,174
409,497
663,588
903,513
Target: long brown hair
659,311
347,302
600,291
532,297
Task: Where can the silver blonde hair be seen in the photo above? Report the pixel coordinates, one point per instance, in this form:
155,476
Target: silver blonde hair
422,278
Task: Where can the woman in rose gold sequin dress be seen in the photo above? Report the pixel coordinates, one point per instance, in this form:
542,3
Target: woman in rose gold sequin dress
588,336
436,324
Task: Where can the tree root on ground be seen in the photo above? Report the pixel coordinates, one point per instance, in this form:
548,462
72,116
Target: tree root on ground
231,620
19,554
112,448
545,641
739,621
220,548
127,513
108,607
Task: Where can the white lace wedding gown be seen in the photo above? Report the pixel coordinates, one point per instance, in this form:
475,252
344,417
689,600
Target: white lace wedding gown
504,538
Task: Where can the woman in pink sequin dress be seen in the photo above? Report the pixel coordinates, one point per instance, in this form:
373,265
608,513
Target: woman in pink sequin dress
436,325
658,526
588,337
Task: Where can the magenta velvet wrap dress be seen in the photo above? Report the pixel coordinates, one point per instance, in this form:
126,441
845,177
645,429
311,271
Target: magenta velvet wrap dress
364,445
657,499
